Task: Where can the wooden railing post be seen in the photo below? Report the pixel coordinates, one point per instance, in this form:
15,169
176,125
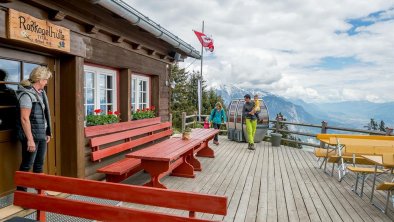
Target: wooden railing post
195,119
277,126
183,121
170,119
323,131
388,131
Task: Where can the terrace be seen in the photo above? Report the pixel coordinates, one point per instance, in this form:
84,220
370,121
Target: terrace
271,184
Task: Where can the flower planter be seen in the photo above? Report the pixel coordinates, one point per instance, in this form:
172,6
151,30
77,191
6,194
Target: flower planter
186,135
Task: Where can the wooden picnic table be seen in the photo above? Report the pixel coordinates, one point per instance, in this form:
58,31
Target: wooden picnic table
174,155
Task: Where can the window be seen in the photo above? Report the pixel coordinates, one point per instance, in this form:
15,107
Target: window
11,73
140,93
99,89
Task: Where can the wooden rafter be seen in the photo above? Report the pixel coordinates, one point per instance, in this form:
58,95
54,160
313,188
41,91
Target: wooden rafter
57,15
92,29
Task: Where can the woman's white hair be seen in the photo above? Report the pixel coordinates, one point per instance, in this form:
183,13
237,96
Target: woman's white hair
37,74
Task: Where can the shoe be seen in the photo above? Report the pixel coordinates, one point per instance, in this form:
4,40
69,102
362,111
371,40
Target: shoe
215,142
251,146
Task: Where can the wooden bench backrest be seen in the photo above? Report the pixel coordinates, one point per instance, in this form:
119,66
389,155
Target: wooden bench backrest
92,131
192,202
156,131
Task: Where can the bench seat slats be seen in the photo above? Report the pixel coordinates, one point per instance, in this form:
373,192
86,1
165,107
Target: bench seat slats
124,192
386,186
92,210
120,167
99,154
363,169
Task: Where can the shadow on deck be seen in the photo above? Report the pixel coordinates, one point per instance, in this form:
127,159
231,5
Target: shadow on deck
275,184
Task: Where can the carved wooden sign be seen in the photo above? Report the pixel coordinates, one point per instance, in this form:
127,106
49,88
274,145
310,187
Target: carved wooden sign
26,28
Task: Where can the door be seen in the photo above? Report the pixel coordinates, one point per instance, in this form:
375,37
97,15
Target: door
16,65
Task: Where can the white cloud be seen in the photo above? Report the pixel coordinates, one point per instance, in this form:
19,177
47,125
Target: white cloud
269,44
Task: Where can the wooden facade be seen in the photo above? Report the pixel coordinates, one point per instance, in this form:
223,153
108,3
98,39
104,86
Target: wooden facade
98,37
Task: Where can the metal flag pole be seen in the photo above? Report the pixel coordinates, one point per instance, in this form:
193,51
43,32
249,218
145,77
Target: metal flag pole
199,83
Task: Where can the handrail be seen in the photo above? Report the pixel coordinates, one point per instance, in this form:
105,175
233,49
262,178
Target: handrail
185,123
324,129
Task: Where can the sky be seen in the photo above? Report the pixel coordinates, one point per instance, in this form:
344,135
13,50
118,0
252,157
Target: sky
318,51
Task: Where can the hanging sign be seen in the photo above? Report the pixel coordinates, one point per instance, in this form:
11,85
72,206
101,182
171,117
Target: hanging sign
26,28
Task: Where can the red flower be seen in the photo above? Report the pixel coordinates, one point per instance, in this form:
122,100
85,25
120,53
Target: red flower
144,110
138,110
147,109
97,111
152,107
110,112
117,113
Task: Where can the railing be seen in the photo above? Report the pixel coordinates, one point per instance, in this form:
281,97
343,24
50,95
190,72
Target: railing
195,121
324,127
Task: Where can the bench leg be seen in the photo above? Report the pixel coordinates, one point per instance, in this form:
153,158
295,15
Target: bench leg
41,215
206,151
185,169
155,168
194,162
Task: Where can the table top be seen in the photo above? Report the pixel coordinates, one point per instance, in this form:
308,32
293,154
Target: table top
172,148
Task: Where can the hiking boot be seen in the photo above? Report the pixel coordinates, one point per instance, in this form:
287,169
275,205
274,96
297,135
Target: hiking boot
251,146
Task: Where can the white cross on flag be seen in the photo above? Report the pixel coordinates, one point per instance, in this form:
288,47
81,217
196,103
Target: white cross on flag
206,42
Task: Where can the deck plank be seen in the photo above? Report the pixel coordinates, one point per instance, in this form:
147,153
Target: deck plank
288,192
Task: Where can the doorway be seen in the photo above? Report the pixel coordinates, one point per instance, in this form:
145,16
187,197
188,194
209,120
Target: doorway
17,65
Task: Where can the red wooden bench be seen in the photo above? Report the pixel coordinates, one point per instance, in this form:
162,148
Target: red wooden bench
123,137
174,155
188,201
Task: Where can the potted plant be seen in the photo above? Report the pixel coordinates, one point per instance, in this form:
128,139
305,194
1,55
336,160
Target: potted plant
186,133
100,118
144,113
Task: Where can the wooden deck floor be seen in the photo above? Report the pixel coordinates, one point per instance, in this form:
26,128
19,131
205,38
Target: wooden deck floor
274,184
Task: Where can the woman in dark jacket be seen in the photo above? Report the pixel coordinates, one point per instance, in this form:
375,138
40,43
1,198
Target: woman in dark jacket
34,124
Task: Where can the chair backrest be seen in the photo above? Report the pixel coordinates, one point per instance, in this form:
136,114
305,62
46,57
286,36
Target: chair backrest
192,202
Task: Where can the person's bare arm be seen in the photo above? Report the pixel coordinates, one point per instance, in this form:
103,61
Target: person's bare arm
25,121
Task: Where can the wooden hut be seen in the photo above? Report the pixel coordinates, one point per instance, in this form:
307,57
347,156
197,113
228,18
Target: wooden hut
103,54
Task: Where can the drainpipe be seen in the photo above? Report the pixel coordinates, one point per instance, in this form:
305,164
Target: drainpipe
136,18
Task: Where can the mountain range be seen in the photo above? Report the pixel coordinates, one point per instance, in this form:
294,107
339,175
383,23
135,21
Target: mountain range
351,114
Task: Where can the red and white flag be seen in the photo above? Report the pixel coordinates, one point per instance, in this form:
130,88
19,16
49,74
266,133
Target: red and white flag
206,42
